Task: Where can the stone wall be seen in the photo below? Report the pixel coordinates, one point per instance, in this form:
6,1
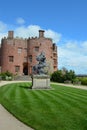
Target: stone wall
15,48
19,55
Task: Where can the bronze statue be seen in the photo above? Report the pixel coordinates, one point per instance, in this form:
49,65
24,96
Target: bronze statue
39,68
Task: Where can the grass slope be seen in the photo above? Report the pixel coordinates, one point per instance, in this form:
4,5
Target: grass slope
61,108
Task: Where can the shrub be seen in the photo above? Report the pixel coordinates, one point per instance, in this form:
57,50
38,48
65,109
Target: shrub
63,75
77,81
57,76
83,80
6,76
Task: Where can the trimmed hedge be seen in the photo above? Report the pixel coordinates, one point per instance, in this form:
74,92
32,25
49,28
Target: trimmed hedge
83,80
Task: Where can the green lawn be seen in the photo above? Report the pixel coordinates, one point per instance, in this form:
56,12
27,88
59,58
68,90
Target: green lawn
61,108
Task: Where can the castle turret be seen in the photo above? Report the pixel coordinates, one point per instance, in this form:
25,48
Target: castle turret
10,34
41,33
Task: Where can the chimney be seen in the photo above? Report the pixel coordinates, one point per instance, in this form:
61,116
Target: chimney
10,34
41,33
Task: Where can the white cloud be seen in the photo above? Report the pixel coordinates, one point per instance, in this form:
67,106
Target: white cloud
32,31
72,56
20,20
51,34
3,30
2,35
84,46
71,44
3,26
27,31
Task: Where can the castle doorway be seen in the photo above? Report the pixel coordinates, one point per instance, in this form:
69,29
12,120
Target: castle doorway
25,68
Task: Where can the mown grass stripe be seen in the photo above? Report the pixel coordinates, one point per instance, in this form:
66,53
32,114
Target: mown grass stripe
8,93
74,101
36,96
78,92
55,109
67,105
75,93
40,112
44,108
71,95
70,89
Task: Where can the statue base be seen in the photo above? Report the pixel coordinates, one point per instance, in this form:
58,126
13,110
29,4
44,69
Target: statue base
40,82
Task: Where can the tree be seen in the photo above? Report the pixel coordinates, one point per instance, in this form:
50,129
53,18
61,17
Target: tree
56,76
63,75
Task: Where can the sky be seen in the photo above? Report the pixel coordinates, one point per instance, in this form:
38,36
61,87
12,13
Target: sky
65,21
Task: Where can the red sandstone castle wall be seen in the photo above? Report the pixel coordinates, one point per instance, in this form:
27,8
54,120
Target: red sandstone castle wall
0,56
24,53
42,44
10,48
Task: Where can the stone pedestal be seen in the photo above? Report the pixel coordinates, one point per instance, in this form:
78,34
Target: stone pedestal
40,82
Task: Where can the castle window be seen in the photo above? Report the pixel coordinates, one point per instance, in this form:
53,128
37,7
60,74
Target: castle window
25,49
30,58
36,48
17,68
25,59
55,55
19,50
11,58
55,61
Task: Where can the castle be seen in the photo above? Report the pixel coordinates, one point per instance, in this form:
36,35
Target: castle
18,55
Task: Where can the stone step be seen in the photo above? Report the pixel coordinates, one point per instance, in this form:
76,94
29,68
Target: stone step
23,78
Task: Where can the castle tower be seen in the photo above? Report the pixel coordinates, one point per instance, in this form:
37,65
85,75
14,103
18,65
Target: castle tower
41,33
10,34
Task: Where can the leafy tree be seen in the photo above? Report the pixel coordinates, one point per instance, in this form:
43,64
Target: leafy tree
63,75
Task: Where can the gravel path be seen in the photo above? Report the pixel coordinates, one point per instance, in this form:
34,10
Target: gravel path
8,82
9,122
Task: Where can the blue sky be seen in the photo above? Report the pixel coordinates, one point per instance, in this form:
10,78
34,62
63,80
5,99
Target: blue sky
63,20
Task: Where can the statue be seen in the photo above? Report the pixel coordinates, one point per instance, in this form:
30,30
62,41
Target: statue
39,68
40,78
